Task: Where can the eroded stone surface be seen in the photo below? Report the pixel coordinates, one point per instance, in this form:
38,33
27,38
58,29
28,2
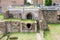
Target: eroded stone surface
15,26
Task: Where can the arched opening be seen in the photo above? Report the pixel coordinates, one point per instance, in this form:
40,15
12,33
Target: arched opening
11,16
54,4
20,16
29,16
58,17
28,25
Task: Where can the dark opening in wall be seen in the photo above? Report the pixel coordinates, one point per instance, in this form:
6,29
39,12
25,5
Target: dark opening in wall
10,15
28,25
54,4
20,16
58,17
29,16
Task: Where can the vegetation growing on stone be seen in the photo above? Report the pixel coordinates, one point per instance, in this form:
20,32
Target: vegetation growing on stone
48,2
13,19
1,16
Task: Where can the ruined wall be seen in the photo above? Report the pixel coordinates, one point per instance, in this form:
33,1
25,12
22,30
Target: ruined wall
6,3
42,16
7,26
50,15
16,26
2,27
42,22
12,14
22,14
56,1
33,27
13,26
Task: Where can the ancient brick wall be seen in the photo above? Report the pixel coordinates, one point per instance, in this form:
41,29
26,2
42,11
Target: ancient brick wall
56,1
2,27
42,22
6,3
50,16
16,26
13,26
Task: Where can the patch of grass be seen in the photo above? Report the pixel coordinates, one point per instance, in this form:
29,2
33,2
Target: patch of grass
13,19
47,35
28,21
0,35
56,27
23,36
20,20
1,16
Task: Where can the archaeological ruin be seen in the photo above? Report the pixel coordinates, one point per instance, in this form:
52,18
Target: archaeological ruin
29,19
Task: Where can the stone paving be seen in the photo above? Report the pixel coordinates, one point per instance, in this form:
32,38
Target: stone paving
39,36
55,35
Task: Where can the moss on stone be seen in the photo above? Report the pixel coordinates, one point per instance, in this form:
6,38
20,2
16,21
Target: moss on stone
28,21
13,19
18,20
1,16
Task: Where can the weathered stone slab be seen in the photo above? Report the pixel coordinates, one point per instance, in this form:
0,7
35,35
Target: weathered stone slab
2,28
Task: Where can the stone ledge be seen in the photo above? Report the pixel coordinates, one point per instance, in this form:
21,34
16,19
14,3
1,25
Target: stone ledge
18,20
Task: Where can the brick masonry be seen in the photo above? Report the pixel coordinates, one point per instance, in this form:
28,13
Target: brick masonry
5,3
42,16
16,26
